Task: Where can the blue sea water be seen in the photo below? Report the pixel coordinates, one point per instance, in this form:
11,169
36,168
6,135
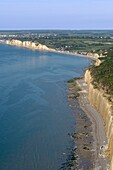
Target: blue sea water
35,118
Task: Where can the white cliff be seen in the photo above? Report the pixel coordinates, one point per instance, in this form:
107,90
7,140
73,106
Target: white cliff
28,44
94,55
104,106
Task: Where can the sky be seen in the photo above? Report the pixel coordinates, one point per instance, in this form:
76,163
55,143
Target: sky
56,14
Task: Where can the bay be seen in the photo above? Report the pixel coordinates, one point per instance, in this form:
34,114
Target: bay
35,118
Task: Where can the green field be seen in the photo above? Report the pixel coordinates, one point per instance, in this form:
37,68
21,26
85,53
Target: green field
68,40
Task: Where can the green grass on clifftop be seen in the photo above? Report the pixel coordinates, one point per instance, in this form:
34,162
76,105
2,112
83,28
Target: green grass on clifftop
103,74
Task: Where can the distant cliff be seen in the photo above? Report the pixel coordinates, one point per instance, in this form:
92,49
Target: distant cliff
28,44
93,55
100,100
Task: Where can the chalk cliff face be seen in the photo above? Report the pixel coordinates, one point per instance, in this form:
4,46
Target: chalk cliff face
101,102
94,55
28,44
98,62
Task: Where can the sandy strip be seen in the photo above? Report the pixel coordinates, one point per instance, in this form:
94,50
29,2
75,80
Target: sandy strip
101,162
75,54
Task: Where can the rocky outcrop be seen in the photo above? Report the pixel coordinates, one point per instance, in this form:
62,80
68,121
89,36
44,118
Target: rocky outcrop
28,44
100,100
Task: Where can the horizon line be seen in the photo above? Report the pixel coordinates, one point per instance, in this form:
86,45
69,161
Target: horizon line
58,29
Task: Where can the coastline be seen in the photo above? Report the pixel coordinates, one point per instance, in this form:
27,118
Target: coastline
76,54
99,135
90,138
83,150
31,45
93,132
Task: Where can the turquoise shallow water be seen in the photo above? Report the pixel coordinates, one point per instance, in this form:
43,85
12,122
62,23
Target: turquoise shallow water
35,118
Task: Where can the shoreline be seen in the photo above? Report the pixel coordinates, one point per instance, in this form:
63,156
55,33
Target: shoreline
75,54
41,47
90,136
99,135
83,150
94,128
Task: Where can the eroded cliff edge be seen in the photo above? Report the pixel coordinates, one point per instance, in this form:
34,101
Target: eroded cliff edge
100,100
28,44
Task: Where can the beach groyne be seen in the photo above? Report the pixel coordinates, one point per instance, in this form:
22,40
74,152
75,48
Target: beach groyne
104,105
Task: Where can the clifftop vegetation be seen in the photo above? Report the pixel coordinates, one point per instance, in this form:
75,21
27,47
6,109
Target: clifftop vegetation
103,74
94,41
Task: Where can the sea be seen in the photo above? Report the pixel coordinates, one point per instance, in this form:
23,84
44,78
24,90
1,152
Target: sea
35,116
